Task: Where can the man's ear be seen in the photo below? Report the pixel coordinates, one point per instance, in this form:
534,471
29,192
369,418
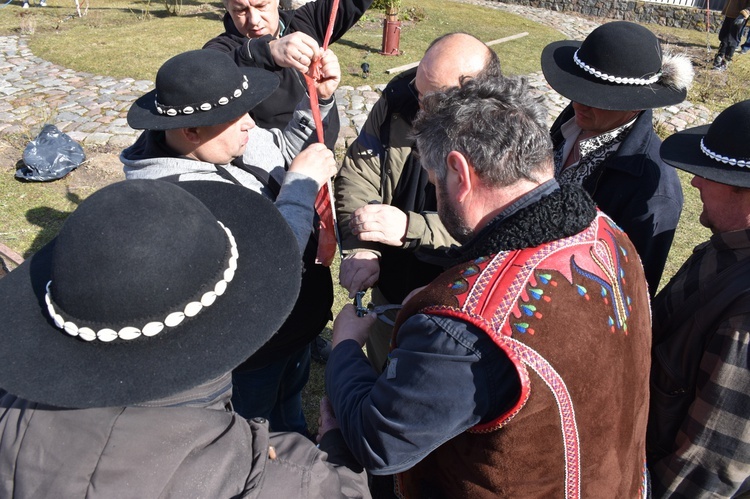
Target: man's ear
191,134
459,175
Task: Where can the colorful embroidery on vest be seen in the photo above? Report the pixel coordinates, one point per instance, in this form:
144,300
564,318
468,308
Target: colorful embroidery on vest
554,381
515,290
608,262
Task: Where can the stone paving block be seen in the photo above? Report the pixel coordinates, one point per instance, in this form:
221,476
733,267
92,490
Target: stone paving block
99,139
127,131
15,129
9,90
63,125
77,136
373,96
121,141
358,122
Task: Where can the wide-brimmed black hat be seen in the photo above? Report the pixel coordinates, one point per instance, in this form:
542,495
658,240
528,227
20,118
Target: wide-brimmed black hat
200,88
719,151
619,66
149,289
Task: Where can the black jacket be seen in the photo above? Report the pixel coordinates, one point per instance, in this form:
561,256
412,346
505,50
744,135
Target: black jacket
640,192
311,19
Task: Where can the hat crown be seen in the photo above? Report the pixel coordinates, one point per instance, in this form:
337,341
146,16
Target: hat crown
729,134
622,49
195,77
122,268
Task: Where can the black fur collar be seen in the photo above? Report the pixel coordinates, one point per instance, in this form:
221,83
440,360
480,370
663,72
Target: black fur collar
563,213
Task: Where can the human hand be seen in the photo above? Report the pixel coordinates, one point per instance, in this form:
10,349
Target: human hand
329,76
359,271
326,420
317,162
379,223
296,50
349,326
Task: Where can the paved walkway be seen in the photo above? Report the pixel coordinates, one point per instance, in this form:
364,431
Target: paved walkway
92,109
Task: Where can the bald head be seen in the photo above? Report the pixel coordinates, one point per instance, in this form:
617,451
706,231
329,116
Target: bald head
451,57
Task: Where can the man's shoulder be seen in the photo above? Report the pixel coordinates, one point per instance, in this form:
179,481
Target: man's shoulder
400,96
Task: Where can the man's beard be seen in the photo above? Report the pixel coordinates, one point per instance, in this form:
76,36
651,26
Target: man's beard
452,221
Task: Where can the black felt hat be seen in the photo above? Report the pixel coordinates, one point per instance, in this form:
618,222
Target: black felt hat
200,88
619,66
719,151
144,294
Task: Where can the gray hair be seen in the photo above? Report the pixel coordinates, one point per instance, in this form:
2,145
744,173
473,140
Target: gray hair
494,122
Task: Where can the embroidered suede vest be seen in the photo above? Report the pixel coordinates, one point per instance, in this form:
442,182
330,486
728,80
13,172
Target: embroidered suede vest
573,316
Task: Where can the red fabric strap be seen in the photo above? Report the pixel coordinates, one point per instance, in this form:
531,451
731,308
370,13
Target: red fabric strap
324,202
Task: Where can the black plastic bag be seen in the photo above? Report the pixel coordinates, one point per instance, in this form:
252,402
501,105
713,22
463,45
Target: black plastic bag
50,156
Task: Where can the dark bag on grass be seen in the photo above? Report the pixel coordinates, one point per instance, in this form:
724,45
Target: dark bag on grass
50,156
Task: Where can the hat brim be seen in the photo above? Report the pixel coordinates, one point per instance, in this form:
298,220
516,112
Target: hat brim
683,151
40,362
144,116
572,82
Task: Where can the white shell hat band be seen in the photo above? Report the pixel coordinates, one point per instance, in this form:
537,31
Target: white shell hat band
152,328
744,163
615,79
204,106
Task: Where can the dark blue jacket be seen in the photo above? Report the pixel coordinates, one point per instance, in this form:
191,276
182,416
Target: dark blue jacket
640,192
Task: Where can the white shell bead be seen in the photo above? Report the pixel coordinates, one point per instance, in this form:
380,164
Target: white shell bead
171,112
174,319
220,287
237,92
51,311
229,275
205,106
223,101
208,299
70,328
59,321
106,334
233,263
47,299
192,308
152,328
129,333
188,110
87,334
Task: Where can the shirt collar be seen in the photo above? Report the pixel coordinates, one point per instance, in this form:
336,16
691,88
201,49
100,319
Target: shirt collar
570,131
736,239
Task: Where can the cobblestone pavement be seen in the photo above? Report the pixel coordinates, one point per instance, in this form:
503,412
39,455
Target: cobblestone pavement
92,109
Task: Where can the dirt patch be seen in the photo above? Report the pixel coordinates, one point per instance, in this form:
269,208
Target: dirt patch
102,167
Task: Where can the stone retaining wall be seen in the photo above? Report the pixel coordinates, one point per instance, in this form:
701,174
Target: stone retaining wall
638,11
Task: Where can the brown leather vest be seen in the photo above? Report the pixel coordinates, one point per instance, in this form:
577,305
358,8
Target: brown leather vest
573,316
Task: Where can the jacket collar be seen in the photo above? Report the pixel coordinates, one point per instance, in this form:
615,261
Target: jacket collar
528,221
